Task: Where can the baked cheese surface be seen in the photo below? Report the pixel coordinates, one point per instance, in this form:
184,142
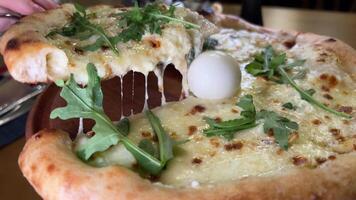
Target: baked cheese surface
172,46
210,160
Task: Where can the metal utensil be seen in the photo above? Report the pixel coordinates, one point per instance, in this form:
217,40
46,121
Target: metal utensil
15,97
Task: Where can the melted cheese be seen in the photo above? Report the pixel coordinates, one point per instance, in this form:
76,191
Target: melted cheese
210,160
172,46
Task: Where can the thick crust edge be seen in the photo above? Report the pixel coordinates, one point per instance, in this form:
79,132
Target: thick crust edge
50,165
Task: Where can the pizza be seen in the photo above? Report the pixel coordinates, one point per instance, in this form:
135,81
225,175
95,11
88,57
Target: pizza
264,113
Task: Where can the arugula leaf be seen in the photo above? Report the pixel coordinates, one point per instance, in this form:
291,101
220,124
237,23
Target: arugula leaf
87,103
164,141
148,146
81,28
210,44
289,106
273,67
124,126
280,126
150,18
227,129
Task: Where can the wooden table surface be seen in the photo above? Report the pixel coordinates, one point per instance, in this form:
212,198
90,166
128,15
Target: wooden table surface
338,25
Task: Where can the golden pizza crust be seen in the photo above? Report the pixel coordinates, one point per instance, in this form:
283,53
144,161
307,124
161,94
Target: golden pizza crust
49,164
27,54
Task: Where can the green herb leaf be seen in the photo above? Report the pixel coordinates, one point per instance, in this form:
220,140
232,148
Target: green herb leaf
148,146
81,28
164,141
210,44
281,127
124,126
87,103
227,129
289,106
150,18
273,67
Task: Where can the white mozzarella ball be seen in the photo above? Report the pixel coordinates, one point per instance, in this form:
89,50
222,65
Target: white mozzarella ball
214,75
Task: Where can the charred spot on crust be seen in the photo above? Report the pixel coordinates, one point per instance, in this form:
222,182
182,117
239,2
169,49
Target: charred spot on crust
12,44
38,136
330,40
50,168
289,44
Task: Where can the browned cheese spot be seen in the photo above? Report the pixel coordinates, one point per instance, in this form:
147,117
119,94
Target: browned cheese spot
234,111
345,109
325,88
215,142
323,76
279,151
146,134
320,160
333,81
233,146
332,157
316,122
218,119
299,160
346,122
328,96
337,134
197,109
197,161
192,130
155,43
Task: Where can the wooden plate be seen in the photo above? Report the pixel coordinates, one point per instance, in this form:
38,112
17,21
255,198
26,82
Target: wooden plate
115,105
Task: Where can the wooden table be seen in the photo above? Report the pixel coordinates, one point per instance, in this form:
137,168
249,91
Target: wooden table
338,25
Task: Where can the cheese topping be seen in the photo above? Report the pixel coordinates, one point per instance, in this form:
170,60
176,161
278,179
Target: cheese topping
211,160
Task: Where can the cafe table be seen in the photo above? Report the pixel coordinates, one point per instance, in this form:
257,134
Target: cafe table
339,25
